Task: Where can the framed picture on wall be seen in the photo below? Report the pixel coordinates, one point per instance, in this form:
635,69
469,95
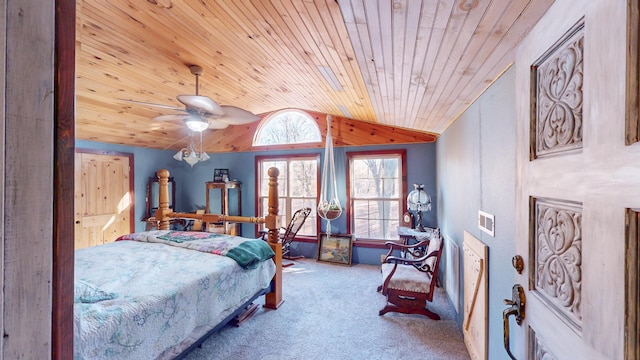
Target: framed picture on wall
221,175
335,248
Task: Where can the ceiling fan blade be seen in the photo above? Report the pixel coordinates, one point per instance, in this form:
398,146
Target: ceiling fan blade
217,125
201,103
171,117
154,105
236,116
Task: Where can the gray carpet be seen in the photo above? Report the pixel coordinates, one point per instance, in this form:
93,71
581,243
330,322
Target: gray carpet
331,312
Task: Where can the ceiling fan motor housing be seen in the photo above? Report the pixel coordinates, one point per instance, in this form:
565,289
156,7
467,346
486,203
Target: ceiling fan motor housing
196,70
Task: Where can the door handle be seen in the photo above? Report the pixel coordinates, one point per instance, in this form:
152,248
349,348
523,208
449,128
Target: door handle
516,308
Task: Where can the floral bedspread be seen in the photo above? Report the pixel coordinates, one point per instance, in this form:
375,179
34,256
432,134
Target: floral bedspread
140,300
246,252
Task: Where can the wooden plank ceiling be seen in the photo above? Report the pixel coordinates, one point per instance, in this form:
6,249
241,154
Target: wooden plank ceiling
405,68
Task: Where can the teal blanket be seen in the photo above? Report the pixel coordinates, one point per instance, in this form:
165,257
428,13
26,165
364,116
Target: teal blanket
248,253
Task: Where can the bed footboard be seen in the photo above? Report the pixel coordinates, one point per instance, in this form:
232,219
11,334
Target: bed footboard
164,214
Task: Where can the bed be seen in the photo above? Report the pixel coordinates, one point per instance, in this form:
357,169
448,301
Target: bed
158,294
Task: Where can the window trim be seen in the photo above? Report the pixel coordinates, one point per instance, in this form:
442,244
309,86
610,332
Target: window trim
366,242
260,158
267,119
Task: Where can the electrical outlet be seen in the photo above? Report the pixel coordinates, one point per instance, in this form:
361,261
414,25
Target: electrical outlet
383,257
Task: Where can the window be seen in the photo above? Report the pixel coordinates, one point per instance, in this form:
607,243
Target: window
376,193
287,127
297,187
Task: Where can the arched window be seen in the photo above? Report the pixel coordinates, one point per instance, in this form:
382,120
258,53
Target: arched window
287,127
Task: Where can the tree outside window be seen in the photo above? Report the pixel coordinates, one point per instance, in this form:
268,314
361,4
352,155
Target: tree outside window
376,193
287,127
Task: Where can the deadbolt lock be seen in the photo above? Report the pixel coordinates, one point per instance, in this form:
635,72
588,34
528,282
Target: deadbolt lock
518,263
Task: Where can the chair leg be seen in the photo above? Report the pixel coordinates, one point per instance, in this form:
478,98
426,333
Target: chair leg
287,255
419,311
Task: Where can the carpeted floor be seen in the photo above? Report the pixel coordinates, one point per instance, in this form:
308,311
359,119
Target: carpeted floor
331,312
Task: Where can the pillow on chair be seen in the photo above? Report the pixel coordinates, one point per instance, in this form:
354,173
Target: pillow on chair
434,245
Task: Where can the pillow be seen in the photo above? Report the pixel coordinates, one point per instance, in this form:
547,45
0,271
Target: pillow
84,292
434,245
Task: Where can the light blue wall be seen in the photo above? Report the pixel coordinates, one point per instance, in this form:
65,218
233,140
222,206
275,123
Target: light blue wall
476,171
421,168
190,188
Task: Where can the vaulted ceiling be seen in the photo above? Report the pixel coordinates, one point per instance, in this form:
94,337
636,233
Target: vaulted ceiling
400,66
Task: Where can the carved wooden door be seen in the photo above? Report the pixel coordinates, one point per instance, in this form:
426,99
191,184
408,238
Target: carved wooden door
102,198
577,179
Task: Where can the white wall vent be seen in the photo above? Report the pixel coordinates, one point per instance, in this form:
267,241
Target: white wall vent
486,222
452,272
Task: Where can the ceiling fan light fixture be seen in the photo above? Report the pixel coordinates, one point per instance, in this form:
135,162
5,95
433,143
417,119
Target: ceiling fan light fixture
196,123
192,158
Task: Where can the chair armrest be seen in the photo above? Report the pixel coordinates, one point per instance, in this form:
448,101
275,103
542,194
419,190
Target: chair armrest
398,246
411,249
425,267
391,245
400,260
417,262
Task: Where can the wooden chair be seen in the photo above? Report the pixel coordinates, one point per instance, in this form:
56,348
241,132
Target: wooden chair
408,282
288,234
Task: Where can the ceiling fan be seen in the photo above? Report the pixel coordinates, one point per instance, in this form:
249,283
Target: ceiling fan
201,112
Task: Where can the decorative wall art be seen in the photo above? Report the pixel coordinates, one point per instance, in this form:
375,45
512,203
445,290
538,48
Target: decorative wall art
335,248
221,175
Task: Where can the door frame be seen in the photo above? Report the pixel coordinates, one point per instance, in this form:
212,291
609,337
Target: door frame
63,184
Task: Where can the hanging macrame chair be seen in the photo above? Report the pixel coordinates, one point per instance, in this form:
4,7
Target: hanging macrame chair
329,205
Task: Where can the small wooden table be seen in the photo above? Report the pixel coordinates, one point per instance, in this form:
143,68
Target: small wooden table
407,234
410,236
